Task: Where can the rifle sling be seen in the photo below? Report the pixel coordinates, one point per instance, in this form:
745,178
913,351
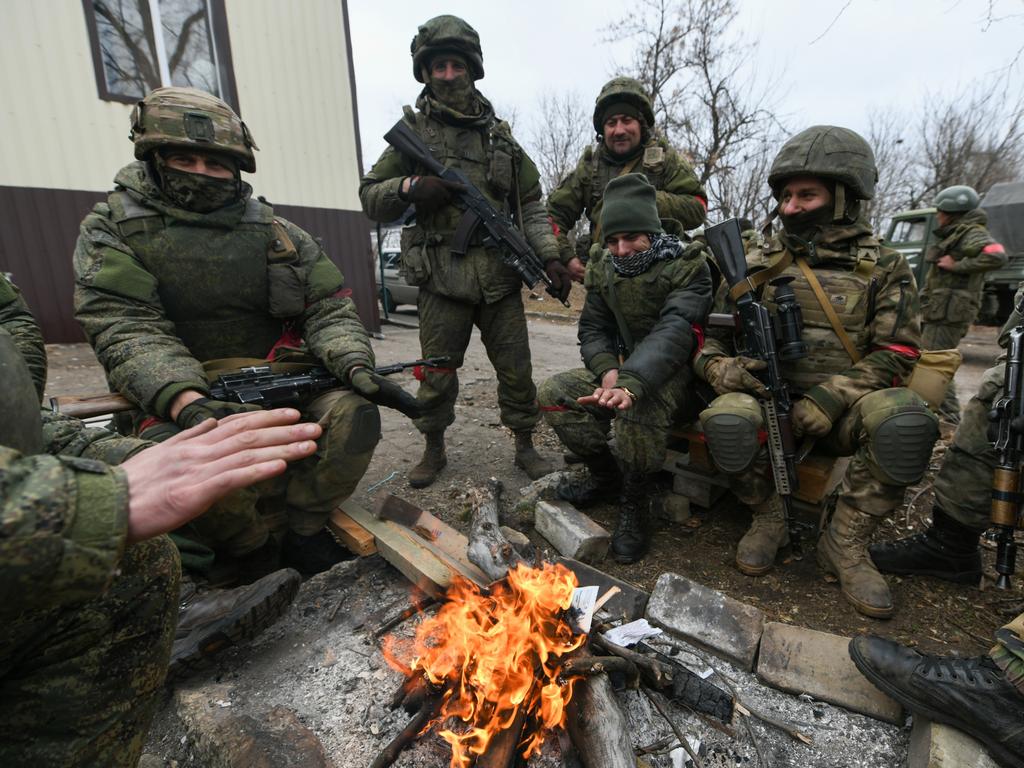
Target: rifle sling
830,313
759,278
620,321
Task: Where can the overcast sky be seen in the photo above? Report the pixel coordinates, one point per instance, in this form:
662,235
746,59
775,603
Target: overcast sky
876,53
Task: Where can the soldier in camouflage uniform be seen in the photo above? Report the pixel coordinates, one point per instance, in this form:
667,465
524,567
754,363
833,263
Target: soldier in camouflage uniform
182,266
457,292
626,143
850,397
953,286
90,589
647,292
949,548
982,696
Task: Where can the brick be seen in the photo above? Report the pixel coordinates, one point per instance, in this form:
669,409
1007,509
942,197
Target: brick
673,508
517,539
934,745
802,660
571,532
629,603
701,488
706,618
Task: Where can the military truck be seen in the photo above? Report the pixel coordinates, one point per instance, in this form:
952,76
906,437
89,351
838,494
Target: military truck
913,232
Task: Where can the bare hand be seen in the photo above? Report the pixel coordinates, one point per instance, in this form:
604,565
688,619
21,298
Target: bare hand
576,269
613,399
610,378
176,480
947,262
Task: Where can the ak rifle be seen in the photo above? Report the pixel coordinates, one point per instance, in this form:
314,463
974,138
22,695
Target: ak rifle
1007,426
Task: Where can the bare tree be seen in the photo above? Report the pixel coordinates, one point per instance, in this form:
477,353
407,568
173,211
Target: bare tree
892,139
560,132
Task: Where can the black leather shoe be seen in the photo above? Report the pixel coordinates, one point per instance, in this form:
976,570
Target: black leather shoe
948,550
969,694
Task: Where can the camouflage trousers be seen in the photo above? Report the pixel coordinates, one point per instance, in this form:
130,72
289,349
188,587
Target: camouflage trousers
945,336
445,329
79,684
641,432
869,484
1008,653
963,484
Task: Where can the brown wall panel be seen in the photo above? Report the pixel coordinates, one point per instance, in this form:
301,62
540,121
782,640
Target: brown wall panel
38,229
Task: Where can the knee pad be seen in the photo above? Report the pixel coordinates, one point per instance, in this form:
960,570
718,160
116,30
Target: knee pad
902,444
365,432
731,427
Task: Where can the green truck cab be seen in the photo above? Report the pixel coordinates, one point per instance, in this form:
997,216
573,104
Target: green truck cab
913,232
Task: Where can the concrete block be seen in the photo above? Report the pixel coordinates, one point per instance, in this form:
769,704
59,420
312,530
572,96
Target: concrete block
701,488
571,532
802,660
629,603
934,745
706,618
672,508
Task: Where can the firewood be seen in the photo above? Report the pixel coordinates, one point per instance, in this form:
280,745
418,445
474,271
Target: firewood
598,726
503,748
431,706
585,666
488,548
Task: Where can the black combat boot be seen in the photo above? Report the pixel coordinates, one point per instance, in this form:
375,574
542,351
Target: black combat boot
971,695
312,554
211,621
602,483
632,535
947,550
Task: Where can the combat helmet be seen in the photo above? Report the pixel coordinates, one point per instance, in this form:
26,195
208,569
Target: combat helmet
446,34
957,199
622,89
830,151
190,119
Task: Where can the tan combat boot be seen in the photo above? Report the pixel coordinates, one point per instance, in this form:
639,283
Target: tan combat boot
843,552
527,458
433,461
755,554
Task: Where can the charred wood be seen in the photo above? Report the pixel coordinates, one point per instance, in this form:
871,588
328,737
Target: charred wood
598,726
431,706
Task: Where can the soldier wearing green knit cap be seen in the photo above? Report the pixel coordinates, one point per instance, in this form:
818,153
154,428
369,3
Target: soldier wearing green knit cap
647,293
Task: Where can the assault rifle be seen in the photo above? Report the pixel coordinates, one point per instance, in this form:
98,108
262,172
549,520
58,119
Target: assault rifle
254,385
500,231
763,340
1009,446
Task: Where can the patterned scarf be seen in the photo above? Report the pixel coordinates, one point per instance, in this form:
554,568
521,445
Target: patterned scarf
663,247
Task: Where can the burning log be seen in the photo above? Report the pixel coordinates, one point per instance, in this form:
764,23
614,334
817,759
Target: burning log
489,549
598,726
429,710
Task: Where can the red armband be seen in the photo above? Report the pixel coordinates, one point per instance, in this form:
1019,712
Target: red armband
698,334
993,248
911,353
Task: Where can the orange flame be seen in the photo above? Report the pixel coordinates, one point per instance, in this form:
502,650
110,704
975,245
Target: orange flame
497,656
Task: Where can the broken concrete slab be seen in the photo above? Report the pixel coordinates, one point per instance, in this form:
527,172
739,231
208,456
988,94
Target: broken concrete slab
706,618
934,745
227,740
802,660
570,531
701,488
673,508
629,603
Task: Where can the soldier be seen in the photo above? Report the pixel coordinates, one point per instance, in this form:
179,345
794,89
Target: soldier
626,142
863,329
90,587
949,548
647,292
182,266
953,286
457,292
982,696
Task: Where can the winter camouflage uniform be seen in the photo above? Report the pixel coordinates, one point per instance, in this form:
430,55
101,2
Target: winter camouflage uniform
161,290
458,292
680,195
87,621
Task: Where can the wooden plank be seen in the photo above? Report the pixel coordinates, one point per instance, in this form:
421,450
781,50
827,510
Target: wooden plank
351,533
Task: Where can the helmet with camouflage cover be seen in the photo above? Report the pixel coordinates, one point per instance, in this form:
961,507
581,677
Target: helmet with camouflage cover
957,199
446,34
618,90
191,119
830,151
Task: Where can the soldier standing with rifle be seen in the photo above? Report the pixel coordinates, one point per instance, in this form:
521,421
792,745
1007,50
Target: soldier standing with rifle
474,287
861,326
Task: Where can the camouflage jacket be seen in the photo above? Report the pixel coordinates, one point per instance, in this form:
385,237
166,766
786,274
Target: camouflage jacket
680,196
17,320
873,293
651,318
954,295
159,290
484,149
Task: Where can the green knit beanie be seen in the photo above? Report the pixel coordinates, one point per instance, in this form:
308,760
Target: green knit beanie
630,205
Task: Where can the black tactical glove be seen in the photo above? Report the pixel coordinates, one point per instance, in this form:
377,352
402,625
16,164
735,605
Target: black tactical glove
561,278
380,391
430,193
204,408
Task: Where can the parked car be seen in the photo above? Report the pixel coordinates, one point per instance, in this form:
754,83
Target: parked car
394,292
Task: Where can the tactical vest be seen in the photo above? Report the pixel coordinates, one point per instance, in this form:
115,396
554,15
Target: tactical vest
952,297
213,281
653,163
846,278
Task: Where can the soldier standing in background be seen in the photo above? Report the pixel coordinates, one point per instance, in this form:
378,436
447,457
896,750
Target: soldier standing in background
457,292
626,143
862,327
953,286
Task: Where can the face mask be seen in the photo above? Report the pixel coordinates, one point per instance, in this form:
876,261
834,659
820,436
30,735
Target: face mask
807,224
196,192
459,94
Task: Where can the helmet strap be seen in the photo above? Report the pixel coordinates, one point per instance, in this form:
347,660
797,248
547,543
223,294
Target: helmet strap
839,211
